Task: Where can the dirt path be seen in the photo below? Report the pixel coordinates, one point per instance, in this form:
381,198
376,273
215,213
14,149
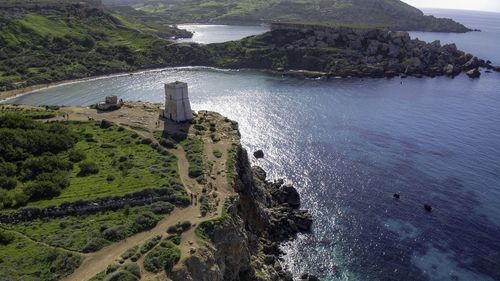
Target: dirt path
97,262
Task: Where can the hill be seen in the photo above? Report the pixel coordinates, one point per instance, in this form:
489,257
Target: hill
48,40
392,14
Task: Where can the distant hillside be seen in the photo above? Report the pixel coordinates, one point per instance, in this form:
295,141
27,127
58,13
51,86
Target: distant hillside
392,14
49,40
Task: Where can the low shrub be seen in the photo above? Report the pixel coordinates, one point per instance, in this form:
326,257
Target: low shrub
76,156
5,237
164,257
150,244
179,227
217,153
162,208
105,124
88,168
115,233
8,183
144,221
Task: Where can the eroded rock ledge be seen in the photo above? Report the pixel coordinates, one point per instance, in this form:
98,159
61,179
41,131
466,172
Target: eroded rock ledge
244,243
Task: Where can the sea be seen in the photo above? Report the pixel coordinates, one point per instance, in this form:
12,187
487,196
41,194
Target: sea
349,144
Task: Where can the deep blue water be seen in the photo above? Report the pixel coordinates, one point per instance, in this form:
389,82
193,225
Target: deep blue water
349,144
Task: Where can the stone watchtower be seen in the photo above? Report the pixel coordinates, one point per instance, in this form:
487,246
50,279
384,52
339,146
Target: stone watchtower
177,105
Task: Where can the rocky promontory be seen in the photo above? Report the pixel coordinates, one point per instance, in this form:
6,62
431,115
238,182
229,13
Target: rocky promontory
345,52
243,244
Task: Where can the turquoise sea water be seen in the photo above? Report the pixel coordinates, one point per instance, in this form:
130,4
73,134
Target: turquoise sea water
349,144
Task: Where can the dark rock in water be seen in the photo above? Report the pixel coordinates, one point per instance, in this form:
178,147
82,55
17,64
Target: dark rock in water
497,69
258,154
474,73
488,71
396,195
308,277
428,207
488,62
292,197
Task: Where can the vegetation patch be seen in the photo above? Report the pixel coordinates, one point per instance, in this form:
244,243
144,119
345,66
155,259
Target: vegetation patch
114,272
23,259
179,227
150,244
194,153
217,153
89,233
165,256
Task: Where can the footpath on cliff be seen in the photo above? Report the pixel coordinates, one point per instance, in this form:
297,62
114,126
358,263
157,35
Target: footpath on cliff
143,119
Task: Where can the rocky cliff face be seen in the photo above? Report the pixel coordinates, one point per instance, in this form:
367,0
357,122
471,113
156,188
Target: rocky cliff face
243,244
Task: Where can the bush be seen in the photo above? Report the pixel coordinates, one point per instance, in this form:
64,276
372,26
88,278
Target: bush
88,168
163,257
115,233
7,183
42,190
110,178
147,141
105,124
76,156
5,237
144,221
179,227
94,244
150,244
129,253
217,153
162,208
167,143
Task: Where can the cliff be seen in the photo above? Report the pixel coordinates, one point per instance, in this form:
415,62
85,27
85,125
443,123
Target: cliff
243,244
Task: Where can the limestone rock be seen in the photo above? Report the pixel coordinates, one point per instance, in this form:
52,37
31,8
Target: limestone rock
474,73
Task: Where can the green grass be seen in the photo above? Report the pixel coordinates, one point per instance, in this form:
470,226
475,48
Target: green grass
23,259
134,166
79,233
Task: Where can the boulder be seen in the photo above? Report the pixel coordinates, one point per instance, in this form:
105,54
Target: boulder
497,69
474,73
258,154
449,70
290,195
471,63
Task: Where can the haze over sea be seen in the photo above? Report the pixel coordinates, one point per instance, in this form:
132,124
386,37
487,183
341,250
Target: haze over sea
349,144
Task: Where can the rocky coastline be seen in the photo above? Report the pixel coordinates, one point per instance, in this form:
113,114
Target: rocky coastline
244,243
346,52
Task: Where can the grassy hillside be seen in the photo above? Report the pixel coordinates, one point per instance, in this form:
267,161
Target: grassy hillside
40,44
393,14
